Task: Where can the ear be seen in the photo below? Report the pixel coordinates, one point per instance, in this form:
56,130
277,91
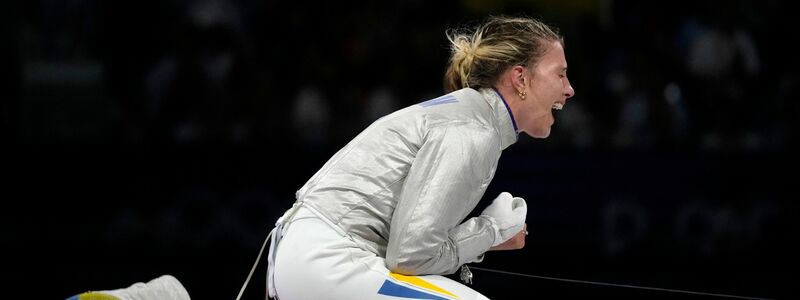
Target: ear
518,79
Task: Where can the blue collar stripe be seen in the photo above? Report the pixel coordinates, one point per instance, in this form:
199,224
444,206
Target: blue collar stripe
441,100
513,122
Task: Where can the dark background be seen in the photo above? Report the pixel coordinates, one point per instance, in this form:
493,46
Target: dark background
165,137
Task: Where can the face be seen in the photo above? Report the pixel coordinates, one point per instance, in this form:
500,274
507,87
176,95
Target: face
547,89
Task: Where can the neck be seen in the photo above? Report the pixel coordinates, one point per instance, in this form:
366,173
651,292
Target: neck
510,96
508,109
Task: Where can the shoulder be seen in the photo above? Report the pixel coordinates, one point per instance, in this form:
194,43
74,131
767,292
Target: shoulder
463,108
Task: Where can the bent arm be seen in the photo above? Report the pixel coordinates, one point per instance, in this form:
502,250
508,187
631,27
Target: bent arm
447,179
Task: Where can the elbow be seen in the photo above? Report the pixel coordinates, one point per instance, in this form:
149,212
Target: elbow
401,263
412,264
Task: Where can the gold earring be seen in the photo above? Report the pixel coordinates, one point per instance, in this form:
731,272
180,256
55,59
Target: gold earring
522,95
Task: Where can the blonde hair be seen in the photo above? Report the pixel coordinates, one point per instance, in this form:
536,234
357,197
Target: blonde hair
480,55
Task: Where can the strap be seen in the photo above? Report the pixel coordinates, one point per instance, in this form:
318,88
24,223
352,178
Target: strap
253,269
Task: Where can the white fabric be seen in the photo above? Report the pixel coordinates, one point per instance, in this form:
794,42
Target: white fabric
165,287
276,236
313,261
508,216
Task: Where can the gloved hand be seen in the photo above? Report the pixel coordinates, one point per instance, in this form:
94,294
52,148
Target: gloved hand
507,214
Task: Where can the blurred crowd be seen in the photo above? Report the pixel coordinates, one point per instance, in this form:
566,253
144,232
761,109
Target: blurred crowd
676,75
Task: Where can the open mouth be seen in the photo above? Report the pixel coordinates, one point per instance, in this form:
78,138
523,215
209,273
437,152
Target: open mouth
558,106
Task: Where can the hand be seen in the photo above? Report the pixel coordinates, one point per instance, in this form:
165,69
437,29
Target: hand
507,214
514,243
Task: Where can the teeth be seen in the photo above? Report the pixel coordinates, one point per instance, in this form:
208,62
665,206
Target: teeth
558,106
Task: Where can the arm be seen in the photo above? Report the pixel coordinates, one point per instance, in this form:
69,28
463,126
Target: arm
514,243
447,179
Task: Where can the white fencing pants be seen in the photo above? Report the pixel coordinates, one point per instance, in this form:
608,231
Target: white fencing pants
313,261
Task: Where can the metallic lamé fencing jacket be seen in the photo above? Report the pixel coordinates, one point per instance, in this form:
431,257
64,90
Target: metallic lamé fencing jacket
403,186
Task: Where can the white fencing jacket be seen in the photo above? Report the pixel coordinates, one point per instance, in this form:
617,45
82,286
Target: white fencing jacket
403,186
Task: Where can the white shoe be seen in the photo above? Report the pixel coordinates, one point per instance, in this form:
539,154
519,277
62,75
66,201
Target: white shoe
165,287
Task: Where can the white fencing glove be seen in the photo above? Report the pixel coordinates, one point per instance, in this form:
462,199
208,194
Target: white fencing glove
507,214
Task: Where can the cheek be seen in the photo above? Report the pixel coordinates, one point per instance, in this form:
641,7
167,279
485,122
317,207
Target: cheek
556,88
548,92
539,110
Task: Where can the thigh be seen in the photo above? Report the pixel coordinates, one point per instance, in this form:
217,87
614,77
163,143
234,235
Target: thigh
314,262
